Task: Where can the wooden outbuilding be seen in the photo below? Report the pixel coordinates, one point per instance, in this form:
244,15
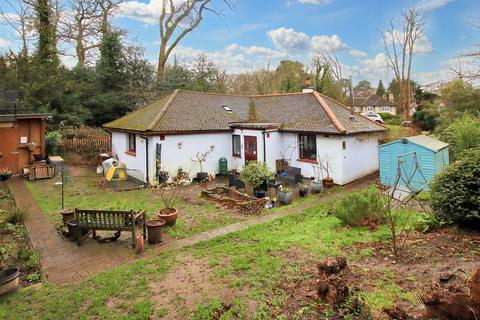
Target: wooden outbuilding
21,137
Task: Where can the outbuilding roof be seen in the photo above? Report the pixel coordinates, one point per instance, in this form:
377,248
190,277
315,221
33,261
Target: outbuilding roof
189,112
422,140
428,142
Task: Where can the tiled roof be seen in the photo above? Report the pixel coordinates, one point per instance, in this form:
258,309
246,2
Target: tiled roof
186,111
371,100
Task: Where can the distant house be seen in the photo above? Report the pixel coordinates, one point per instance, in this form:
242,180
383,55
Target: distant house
23,135
166,134
373,103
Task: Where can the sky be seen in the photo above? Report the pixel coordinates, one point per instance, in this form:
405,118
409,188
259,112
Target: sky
258,32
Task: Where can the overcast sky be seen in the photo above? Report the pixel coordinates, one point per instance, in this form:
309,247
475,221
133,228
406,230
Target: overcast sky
257,32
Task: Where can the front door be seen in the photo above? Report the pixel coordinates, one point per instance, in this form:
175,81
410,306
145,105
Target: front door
250,148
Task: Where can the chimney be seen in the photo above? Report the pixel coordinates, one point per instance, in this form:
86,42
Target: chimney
308,88
352,102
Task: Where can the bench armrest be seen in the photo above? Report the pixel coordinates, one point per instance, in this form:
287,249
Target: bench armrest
140,214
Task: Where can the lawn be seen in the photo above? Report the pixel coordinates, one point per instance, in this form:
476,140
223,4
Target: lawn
250,269
89,191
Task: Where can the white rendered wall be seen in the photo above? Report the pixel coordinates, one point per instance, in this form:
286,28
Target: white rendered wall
360,157
178,151
135,163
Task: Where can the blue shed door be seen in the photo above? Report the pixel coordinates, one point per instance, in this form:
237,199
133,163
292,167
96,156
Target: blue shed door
409,168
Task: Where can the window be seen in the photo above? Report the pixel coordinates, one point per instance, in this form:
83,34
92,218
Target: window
236,147
385,109
132,142
307,146
369,108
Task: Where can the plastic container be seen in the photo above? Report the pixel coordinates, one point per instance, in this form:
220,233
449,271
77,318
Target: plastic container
223,165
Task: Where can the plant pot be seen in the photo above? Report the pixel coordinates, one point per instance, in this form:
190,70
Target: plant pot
5,177
239,184
328,182
249,189
316,187
155,230
37,157
260,194
67,215
169,215
302,192
9,280
202,176
285,197
232,178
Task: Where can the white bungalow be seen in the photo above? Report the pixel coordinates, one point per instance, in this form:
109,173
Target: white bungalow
166,134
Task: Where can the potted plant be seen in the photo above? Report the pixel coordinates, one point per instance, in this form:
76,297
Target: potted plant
326,167
303,190
254,174
168,197
5,174
316,185
285,195
201,158
31,146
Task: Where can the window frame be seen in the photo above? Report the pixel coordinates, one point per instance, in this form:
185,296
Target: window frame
132,137
312,154
239,154
370,109
385,109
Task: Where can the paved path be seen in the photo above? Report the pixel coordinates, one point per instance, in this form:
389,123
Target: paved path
62,261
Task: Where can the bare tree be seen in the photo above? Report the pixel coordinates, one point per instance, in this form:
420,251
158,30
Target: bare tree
399,43
80,26
177,20
107,9
21,20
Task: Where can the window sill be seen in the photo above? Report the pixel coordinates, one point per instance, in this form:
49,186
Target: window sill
131,153
237,156
307,160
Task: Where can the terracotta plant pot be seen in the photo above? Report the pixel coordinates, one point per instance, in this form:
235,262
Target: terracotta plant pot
155,230
328,182
169,215
9,280
67,215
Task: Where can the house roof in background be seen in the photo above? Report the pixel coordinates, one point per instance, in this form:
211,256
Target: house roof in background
372,100
189,112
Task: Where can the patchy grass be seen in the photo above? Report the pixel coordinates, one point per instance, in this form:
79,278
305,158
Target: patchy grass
84,192
253,261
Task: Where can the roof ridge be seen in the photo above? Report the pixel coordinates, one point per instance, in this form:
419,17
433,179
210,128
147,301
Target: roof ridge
162,111
329,112
276,94
213,93
341,104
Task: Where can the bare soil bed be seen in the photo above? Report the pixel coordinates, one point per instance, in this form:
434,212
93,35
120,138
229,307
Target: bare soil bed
444,258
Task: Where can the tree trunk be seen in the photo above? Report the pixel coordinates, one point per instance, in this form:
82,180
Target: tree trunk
162,61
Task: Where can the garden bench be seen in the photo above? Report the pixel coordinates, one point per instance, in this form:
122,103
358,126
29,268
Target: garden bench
109,220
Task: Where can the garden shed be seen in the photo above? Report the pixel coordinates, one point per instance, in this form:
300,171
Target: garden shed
412,160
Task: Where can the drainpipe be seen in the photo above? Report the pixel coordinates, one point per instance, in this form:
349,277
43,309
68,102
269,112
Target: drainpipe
146,158
264,147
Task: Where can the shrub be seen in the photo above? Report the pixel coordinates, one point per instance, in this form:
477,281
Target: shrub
361,208
391,119
463,134
425,119
52,140
16,215
454,192
256,173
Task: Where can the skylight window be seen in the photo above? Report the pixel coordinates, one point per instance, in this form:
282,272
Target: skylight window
227,108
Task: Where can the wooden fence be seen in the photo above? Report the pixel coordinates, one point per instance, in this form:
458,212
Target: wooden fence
87,145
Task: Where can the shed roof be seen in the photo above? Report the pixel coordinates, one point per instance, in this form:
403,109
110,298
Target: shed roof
11,117
428,142
422,140
187,111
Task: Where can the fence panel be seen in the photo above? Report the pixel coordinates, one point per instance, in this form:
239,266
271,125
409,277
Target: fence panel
87,145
